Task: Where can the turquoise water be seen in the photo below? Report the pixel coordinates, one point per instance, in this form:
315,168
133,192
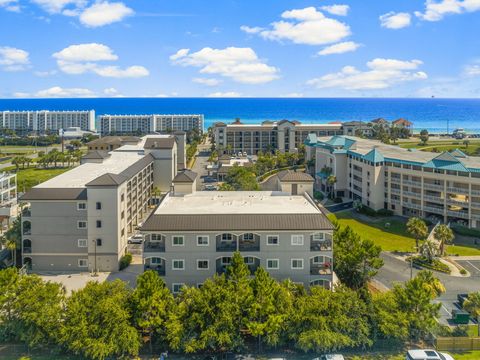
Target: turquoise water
432,114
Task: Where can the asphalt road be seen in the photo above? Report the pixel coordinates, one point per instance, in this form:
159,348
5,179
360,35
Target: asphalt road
473,266
200,164
397,271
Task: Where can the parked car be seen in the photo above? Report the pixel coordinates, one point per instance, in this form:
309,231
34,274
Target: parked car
210,188
461,299
427,354
330,357
136,239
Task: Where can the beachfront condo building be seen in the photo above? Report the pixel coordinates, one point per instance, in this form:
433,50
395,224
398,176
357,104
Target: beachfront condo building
148,124
8,198
285,135
437,186
81,220
43,122
192,235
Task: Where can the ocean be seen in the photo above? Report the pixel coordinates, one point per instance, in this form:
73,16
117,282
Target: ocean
435,115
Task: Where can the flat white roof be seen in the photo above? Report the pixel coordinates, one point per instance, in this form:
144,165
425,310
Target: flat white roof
236,202
83,174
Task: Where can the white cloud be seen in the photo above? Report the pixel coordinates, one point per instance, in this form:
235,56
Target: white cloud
45,73
436,10
251,30
228,94
304,26
57,92
207,81
83,58
10,5
394,20
472,70
239,64
381,74
339,48
57,6
104,13
86,52
13,59
112,92
340,10
292,95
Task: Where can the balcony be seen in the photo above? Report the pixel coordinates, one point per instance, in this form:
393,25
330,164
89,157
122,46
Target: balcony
249,242
222,264
415,195
324,268
462,214
412,183
320,245
396,180
475,192
412,205
26,212
434,198
226,242
431,186
458,190
457,202
436,210
156,264
154,246
395,191
253,263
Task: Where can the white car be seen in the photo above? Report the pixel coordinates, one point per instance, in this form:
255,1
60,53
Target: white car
427,354
136,239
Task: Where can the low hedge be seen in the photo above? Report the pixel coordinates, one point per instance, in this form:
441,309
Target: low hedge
370,212
125,261
277,170
465,231
436,264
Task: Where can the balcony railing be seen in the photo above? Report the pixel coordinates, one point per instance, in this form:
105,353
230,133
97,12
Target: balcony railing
27,250
475,192
154,246
412,194
320,269
253,267
458,202
412,205
432,186
247,245
458,190
433,209
226,245
160,269
395,191
434,198
412,183
320,245
463,214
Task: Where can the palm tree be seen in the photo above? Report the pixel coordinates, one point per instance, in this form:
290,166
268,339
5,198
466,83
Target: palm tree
444,235
434,284
418,229
331,180
11,245
429,250
472,305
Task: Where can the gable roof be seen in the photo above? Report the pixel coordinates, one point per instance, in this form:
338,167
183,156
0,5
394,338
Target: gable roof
294,176
458,153
38,193
107,179
379,121
186,176
402,121
446,161
159,143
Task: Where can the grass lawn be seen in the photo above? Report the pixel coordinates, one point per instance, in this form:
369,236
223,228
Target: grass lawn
27,178
393,238
472,149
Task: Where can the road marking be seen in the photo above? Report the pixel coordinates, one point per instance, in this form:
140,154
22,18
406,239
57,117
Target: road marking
476,268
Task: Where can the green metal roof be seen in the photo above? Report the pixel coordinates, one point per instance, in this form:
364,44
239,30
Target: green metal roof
374,156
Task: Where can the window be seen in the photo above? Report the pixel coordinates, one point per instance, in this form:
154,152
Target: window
122,198
248,236
99,223
272,240
82,243
318,236
81,206
273,264
123,232
227,237
157,237
177,287
297,263
81,224
122,215
178,264
202,264
98,205
99,242
82,262
297,239
177,241
249,260
202,240
156,261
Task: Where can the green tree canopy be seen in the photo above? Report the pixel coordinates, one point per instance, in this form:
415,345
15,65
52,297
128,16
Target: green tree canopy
418,229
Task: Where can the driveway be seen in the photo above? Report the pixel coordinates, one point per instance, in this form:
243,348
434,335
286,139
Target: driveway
398,271
201,163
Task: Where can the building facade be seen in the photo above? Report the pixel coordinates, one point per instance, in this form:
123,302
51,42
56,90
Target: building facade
8,197
45,121
81,220
437,186
148,124
285,136
192,236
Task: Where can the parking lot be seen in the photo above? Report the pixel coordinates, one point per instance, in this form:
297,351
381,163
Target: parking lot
472,266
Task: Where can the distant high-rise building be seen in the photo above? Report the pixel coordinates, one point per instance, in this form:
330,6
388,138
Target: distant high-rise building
45,121
147,124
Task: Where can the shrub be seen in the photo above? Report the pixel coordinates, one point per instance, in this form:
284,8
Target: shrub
318,195
338,200
435,264
367,211
385,212
460,331
463,230
463,271
125,261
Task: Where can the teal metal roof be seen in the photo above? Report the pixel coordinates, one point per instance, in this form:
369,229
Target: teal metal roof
458,153
446,161
374,156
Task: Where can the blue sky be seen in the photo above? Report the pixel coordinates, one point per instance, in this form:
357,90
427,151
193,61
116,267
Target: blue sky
267,48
